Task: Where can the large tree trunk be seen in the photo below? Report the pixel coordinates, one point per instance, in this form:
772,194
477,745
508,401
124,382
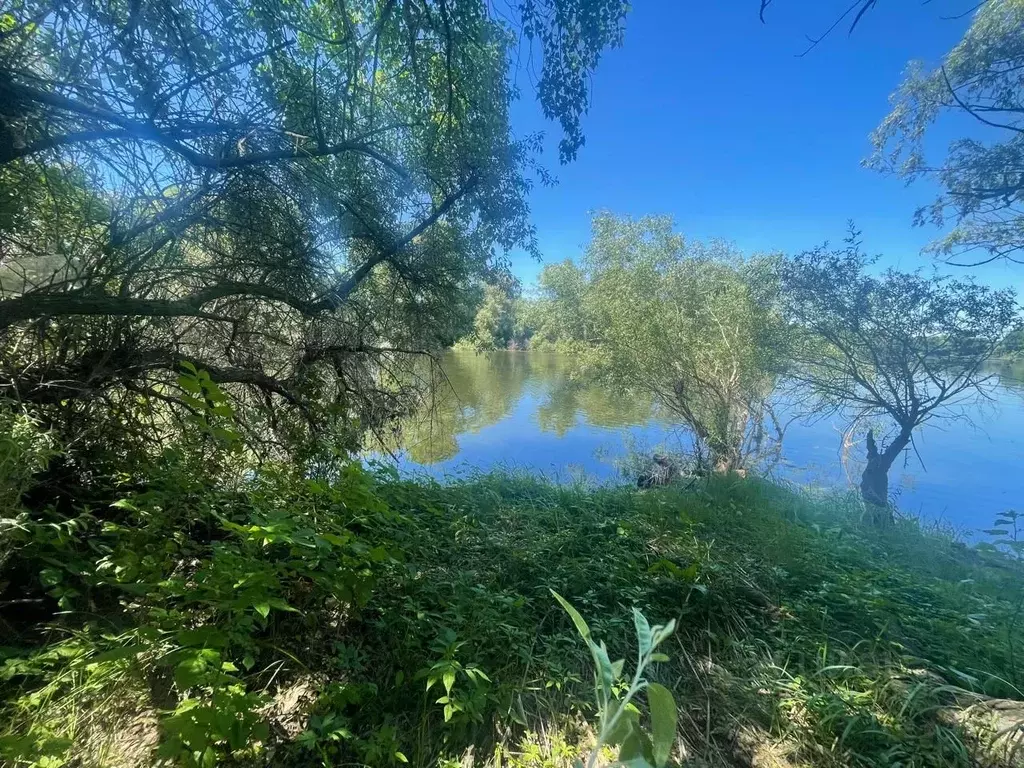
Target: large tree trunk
874,482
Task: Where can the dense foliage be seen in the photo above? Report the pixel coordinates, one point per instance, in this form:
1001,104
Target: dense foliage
503,320
235,238
290,197
1012,347
691,324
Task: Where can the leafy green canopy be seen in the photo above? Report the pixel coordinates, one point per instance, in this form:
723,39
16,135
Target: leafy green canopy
692,324
1013,345
560,317
494,323
290,196
982,176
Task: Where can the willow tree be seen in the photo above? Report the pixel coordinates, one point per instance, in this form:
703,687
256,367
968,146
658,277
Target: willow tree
981,176
494,324
291,196
561,317
904,348
689,324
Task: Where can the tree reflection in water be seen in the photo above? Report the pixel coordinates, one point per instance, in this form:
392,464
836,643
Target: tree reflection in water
481,389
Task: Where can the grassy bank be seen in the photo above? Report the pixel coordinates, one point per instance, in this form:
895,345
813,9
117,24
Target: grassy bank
293,622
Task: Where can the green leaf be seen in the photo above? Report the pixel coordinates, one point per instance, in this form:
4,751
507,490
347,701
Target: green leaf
628,720
581,625
196,668
225,435
448,679
660,633
281,605
193,402
189,384
202,637
659,657
617,668
214,394
631,746
604,666
334,539
263,609
689,573
636,750
663,722
643,631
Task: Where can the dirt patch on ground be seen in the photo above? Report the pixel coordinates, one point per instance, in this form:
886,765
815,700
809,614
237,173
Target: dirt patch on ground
995,728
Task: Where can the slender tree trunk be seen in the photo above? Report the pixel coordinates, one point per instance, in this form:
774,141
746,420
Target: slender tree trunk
724,437
874,482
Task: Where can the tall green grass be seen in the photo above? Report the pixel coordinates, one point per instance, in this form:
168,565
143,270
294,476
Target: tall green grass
803,636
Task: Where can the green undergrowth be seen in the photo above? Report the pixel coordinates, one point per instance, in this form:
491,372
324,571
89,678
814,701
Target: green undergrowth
371,620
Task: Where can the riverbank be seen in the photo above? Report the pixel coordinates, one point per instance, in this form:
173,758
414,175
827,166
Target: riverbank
526,410
379,621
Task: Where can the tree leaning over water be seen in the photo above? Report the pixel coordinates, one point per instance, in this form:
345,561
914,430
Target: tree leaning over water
903,347
690,324
291,197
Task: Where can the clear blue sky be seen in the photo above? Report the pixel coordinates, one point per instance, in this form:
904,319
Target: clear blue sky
710,116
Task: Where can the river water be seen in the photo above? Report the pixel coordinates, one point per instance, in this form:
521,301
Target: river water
521,410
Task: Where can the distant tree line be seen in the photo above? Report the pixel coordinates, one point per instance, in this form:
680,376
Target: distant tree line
1012,347
503,319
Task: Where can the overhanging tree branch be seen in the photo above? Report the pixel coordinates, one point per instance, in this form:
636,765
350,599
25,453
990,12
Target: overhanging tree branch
150,132
41,303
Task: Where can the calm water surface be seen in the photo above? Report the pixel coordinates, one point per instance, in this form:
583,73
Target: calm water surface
520,410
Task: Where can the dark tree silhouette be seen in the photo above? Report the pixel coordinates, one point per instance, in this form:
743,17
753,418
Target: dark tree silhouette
904,347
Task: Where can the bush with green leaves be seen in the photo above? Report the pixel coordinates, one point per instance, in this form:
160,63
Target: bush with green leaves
618,716
694,326
193,588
